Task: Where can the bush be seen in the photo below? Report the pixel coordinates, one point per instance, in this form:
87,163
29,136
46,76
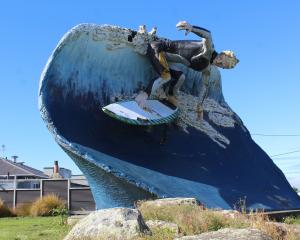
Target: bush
46,205
23,210
62,212
4,210
291,220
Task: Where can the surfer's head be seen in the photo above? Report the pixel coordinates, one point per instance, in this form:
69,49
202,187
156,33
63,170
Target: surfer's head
226,59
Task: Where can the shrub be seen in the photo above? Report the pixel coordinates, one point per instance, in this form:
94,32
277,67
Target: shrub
4,210
45,206
23,210
291,220
62,212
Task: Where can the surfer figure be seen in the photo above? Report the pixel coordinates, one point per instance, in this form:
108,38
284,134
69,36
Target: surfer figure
198,55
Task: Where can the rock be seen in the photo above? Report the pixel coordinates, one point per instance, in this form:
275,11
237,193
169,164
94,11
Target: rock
284,229
171,202
72,220
114,223
229,213
230,234
162,224
281,228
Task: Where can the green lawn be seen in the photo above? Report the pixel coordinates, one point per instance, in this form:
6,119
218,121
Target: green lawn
32,228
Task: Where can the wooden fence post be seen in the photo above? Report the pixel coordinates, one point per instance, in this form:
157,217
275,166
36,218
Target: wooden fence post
41,188
15,192
69,185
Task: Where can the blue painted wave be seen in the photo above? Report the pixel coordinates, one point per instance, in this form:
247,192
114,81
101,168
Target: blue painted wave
93,66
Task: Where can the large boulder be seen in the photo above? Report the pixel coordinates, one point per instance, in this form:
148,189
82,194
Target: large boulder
115,223
230,234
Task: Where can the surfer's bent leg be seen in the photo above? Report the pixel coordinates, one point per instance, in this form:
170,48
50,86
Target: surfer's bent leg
156,53
152,54
178,79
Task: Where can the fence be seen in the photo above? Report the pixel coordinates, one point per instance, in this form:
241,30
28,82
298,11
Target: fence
75,192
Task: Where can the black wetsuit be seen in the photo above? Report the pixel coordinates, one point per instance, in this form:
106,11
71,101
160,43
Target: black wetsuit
199,54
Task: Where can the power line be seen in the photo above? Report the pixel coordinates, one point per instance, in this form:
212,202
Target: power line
286,158
275,135
286,153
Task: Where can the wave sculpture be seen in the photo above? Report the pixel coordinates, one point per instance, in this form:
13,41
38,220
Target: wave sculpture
212,158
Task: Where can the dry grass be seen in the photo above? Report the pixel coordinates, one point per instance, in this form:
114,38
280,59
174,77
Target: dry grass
4,210
23,210
193,220
273,229
44,206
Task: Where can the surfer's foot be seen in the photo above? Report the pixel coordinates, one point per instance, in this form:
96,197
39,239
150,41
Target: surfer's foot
141,99
173,100
160,95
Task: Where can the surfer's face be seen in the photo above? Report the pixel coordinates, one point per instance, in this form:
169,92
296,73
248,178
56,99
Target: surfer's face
225,61
221,61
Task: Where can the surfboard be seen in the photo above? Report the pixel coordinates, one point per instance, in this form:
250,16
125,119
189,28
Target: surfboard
155,112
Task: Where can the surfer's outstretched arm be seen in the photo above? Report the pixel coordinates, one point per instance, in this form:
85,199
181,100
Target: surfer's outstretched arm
199,31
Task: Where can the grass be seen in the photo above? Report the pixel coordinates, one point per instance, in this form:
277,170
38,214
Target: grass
159,234
193,220
32,228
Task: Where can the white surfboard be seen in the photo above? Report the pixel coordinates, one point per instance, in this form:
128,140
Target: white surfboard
154,113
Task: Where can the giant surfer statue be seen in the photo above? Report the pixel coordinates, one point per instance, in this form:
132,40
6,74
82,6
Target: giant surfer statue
198,55
124,151
164,56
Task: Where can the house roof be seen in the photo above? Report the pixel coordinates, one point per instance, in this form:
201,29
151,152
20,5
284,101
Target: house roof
18,169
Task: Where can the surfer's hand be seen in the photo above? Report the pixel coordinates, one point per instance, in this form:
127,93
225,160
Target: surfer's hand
141,99
184,25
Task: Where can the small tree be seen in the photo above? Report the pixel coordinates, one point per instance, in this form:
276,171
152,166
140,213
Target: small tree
296,189
62,212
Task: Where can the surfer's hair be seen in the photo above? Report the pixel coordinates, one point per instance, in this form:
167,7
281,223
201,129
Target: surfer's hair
231,58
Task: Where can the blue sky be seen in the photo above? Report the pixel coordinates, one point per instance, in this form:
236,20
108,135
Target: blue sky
263,89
